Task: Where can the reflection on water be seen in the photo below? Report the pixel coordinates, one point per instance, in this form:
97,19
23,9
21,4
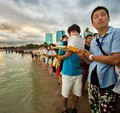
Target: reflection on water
19,92
2,63
15,87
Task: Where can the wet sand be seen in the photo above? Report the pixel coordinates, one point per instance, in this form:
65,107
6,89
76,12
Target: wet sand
49,92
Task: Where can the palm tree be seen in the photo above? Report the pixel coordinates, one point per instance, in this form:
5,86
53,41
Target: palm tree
87,32
87,29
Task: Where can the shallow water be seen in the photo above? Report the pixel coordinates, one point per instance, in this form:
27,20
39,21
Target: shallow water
20,90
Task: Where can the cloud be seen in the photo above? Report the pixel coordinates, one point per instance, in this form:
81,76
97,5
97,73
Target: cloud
9,28
24,21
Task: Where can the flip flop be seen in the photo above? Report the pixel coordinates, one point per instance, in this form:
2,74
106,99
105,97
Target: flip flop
74,110
65,111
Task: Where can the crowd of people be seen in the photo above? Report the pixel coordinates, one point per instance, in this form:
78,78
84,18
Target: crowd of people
74,68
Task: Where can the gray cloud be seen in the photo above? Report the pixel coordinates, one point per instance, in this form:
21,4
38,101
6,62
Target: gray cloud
27,1
9,27
23,21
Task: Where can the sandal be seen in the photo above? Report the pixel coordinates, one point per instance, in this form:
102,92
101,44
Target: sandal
74,110
65,111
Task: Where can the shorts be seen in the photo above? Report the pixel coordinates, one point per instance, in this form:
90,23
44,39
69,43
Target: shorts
58,71
71,83
54,69
102,100
46,60
49,61
85,71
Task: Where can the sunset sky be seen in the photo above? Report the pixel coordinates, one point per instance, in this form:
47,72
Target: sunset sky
27,21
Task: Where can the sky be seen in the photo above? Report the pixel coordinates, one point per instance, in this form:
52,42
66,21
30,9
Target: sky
27,21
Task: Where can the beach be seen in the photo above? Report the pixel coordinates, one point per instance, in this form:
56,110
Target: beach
50,93
53,101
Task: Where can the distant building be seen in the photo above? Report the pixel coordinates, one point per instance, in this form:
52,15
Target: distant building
59,34
49,38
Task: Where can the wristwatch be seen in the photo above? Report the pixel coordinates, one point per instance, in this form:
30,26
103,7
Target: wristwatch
90,57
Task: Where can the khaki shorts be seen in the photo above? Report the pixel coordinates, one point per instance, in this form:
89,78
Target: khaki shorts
49,61
71,83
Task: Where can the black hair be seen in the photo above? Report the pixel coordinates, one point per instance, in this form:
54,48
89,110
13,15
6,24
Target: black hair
88,36
98,8
74,27
52,45
95,34
64,36
65,43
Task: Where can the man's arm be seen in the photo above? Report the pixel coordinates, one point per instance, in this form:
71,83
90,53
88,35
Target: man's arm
86,60
62,57
82,57
113,59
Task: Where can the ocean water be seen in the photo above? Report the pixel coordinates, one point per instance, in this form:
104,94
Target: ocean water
20,89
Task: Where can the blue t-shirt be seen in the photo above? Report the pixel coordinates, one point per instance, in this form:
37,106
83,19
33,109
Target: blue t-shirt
71,65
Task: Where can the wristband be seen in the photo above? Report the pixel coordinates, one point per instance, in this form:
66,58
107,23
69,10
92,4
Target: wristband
90,57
